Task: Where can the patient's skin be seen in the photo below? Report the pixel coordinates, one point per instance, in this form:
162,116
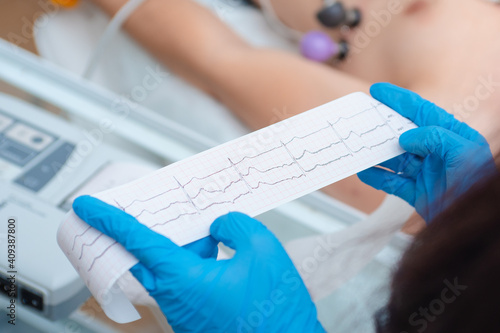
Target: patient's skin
443,49
446,50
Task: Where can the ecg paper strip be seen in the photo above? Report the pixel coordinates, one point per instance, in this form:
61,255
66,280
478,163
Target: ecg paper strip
251,174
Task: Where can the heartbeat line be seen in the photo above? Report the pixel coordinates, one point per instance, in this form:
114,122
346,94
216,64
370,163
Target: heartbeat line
253,176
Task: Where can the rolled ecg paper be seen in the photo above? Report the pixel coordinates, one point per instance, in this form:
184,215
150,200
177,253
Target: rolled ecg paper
251,174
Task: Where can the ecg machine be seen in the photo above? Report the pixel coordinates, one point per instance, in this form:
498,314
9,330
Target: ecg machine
43,162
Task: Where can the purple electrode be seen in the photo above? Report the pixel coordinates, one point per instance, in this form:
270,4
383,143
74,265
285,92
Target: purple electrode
318,46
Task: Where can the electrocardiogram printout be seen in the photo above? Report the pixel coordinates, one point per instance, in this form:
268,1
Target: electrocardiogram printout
251,174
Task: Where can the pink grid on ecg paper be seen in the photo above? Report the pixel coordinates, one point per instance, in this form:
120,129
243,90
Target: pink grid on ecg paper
359,124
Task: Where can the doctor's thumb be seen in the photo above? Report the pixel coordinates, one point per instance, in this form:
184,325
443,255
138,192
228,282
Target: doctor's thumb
241,232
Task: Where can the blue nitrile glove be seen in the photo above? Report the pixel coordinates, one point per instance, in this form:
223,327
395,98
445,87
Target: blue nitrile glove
444,158
205,247
258,290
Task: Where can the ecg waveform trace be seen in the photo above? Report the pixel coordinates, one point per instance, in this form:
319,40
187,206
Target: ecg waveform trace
251,174
283,145
294,161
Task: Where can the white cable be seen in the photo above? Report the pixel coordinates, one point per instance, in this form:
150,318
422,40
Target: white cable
277,25
113,27
124,13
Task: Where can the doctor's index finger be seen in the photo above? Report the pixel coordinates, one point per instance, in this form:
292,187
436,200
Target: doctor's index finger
433,140
420,111
145,244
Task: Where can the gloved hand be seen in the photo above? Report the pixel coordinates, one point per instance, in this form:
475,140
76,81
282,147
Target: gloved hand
258,290
205,247
444,158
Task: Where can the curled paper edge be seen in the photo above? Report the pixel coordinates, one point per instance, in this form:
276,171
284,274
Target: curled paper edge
112,299
119,308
